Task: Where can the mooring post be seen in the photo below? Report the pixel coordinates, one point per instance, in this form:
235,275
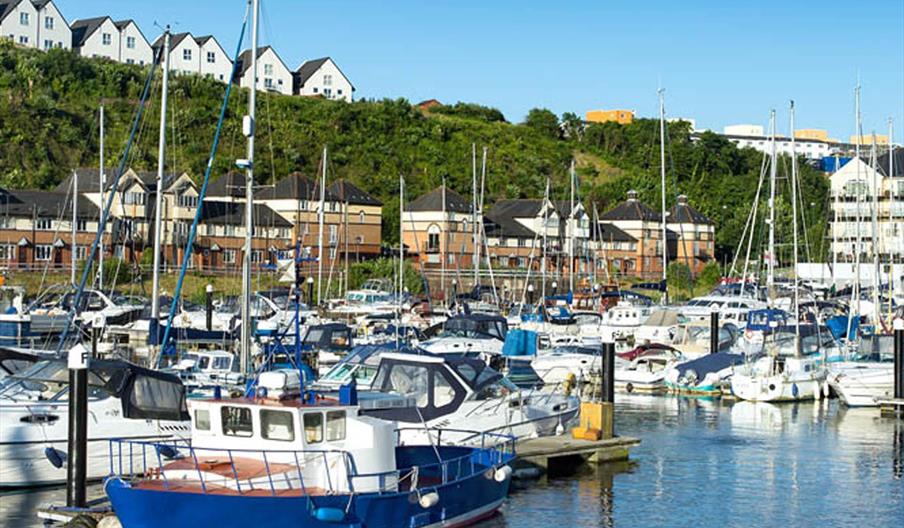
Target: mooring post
713,332
76,465
608,367
899,359
209,306
311,292
530,294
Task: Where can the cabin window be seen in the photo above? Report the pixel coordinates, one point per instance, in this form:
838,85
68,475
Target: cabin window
313,428
277,425
335,426
202,420
236,421
443,393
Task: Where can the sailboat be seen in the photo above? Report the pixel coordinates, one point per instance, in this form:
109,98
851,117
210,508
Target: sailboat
793,365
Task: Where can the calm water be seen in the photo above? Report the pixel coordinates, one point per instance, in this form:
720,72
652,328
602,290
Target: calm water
704,463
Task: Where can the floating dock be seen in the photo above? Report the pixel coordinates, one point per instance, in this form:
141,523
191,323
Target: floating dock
892,407
562,452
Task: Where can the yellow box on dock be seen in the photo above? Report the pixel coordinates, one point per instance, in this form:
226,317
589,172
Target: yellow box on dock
595,420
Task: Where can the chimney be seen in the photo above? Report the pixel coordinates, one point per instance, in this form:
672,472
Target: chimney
682,199
632,195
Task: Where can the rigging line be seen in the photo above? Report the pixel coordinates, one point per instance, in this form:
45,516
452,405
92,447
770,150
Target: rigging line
750,218
203,192
106,210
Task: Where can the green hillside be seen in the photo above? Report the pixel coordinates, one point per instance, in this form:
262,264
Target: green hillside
49,125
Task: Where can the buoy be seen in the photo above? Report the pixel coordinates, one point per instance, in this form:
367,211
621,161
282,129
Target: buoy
502,474
429,500
56,457
333,515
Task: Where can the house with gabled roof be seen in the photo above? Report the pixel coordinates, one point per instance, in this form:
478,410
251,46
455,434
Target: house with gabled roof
322,78
440,225
272,73
185,53
96,37
221,236
134,48
360,230
214,62
694,234
616,251
51,28
644,224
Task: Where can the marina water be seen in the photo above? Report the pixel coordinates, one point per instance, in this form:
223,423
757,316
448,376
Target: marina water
702,463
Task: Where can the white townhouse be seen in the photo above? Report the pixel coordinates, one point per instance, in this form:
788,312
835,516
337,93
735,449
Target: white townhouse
273,75
96,37
134,48
34,23
322,77
214,61
185,54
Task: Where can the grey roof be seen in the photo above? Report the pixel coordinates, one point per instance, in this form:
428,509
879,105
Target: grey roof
84,28
175,40
295,186
88,180
684,213
35,203
310,67
233,213
230,184
433,201
244,61
564,207
348,192
607,232
7,7
519,208
505,226
885,164
632,209
39,4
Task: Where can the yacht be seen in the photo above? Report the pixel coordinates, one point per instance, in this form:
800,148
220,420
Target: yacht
124,401
474,335
866,377
643,370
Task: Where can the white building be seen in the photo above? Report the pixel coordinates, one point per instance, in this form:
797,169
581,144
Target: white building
134,48
854,198
34,23
96,37
214,62
322,77
753,136
185,53
273,75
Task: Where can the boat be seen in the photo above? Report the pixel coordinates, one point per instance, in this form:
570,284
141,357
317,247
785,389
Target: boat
643,369
705,375
868,376
124,401
659,327
475,335
279,459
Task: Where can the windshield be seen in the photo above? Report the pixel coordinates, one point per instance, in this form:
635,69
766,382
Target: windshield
45,380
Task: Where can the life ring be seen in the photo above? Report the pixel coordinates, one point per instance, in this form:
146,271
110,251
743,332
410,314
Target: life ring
629,387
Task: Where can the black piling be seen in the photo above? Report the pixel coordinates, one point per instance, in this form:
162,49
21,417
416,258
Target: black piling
76,466
899,363
713,332
608,367
209,306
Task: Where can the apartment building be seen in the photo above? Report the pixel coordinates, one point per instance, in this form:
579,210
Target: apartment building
272,73
34,23
694,235
643,224
440,225
323,78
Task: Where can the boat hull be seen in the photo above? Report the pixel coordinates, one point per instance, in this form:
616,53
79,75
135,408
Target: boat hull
775,388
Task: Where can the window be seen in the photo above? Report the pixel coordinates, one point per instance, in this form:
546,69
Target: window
81,225
229,230
432,241
23,19
106,39
48,44
134,198
257,256
268,82
335,426
236,421
327,80
130,42
443,393
44,224
81,252
186,54
229,256
43,252
23,40
202,420
339,91
48,22
361,217
130,61
187,200
277,425
7,252
313,428
315,89
268,69
328,92
334,235
211,57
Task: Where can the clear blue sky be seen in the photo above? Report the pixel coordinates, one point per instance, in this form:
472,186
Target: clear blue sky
721,62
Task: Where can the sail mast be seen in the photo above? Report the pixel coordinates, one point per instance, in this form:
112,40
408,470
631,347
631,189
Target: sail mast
102,177
249,126
854,305
476,249
543,252
875,232
665,246
320,225
794,229
569,225
896,229
443,245
74,245
770,264
158,204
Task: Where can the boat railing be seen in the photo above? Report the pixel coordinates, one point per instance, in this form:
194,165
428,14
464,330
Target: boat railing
175,465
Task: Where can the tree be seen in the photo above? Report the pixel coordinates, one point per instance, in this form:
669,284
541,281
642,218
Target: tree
572,126
543,121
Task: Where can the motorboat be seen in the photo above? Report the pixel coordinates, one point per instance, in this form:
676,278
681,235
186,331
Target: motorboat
475,335
792,367
730,309
868,376
658,327
124,401
692,339
201,369
705,375
282,458
644,370
326,344
621,321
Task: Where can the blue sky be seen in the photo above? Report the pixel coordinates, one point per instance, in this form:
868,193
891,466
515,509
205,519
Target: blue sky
721,62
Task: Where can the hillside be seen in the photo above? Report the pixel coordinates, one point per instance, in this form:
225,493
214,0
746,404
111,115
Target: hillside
49,125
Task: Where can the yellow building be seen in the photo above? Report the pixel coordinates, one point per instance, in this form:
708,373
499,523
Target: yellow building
622,117
812,133
867,139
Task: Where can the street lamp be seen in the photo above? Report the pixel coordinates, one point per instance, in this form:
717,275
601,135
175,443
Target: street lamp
530,293
311,291
555,286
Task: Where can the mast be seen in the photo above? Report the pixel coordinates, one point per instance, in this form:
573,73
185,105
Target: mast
249,126
571,227
665,244
854,305
161,159
794,229
401,252
896,227
74,244
543,252
770,264
476,249
443,244
320,226
102,178
875,231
